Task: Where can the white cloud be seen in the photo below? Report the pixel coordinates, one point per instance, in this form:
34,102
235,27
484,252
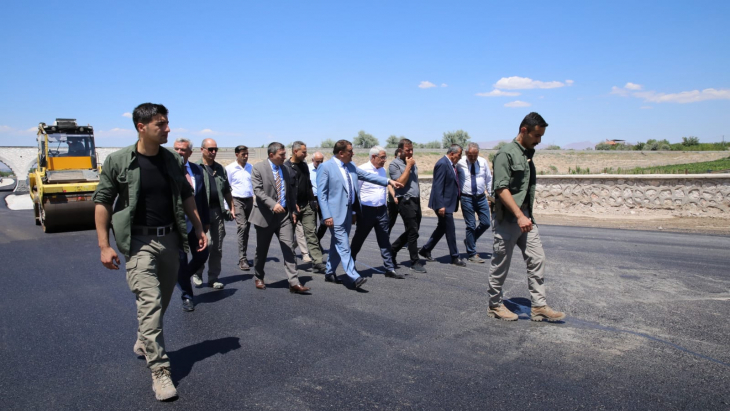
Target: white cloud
207,131
12,130
498,93
524,83
569,82
5,129
426,84
127,115
444,85
694,96
518,103
683,97
620,91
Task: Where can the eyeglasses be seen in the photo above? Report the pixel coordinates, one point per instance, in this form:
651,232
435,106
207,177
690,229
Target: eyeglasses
211,149
382,157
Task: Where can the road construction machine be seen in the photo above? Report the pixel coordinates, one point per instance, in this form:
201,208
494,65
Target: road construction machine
64,182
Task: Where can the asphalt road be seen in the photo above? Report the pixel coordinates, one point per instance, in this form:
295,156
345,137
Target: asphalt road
647,328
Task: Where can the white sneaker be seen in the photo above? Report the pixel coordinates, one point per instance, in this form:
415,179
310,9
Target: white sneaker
306,258
162,384
139,348
197,280
216,284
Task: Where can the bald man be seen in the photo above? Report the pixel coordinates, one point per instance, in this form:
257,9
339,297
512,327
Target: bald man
218,191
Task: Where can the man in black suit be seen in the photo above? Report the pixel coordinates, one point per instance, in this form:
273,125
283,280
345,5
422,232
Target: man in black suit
275,212
195,176
444,200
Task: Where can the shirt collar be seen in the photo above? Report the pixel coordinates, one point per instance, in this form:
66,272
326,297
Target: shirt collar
273,166
339,162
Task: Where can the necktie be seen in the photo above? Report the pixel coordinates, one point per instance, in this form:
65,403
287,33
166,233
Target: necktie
349,186
473,179
278,184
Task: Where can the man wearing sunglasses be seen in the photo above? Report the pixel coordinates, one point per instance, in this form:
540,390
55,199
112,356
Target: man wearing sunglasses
219,198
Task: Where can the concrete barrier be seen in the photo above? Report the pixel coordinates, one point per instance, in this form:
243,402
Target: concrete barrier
698,195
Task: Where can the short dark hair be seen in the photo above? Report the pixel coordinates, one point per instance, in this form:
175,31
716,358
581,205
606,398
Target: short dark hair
531,120
340,145
274,148
238,149
297,145
455,148
145,112
397,152
404,142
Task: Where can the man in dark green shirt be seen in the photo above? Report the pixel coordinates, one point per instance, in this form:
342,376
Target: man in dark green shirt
152,198
514,192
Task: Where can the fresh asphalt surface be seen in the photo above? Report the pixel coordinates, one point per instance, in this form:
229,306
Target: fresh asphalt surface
647,328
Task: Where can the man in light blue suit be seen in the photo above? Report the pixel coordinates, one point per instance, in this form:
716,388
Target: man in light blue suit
337,194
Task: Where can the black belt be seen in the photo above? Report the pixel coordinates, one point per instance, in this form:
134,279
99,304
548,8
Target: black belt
243,198
157,231
478,196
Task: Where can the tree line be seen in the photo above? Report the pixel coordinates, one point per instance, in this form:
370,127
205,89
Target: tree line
690,143
367,140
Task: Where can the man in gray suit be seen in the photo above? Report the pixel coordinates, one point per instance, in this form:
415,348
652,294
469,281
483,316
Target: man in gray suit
274,212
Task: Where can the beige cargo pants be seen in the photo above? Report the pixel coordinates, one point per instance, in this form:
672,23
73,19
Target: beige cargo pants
152,275
506,236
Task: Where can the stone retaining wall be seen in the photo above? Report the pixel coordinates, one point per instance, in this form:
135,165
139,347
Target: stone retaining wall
688,195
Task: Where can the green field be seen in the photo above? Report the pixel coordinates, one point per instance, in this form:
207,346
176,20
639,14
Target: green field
717,166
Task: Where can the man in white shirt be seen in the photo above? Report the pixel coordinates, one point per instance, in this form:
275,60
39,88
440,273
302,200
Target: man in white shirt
317,160
374,212
475,182
239,178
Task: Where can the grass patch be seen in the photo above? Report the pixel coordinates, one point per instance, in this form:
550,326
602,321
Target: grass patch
721,165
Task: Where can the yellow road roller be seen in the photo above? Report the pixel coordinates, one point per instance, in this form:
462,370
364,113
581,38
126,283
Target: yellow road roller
63,184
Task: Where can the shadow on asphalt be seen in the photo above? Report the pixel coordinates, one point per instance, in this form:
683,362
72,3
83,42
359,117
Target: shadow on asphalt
185,358
236,278
214,296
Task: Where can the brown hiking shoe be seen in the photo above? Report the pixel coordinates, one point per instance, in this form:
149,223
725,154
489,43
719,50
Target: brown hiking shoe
501,312
162,384
546,313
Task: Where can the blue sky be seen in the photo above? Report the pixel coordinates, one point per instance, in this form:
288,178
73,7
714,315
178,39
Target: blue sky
252,73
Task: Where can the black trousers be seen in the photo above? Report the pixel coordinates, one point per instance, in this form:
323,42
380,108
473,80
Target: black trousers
392,213
410,212
369,218
445,226
187,269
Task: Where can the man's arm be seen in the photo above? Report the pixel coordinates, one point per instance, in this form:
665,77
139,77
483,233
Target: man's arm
192,212
509,202
323,194
487,177
257,182
437,188
410,163
391,190
501,190
103,218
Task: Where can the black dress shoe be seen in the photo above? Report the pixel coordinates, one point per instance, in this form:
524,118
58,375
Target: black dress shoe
425,254
418,267
331,278
188,305
458,262
393,274
319,268
360,282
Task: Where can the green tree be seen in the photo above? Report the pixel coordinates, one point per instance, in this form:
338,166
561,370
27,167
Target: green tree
499,145
459,137
432,144
364,140
603,146
552,147
329,143
393,141
690,141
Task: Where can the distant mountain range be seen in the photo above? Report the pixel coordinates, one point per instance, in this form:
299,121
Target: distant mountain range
580,145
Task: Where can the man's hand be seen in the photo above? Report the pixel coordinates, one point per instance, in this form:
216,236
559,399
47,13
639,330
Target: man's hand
354,219
278,209
109,258
395,184
202,241
330,222
442,211
411,161
395,199
206,228
525,224
233,213
298,210
294,218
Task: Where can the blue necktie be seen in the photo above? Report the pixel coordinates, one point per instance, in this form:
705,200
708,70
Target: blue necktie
349,185
473,180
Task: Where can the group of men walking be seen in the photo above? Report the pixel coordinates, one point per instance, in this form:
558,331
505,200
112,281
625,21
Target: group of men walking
165,207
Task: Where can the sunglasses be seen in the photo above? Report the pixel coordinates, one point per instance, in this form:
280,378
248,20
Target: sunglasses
211,149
